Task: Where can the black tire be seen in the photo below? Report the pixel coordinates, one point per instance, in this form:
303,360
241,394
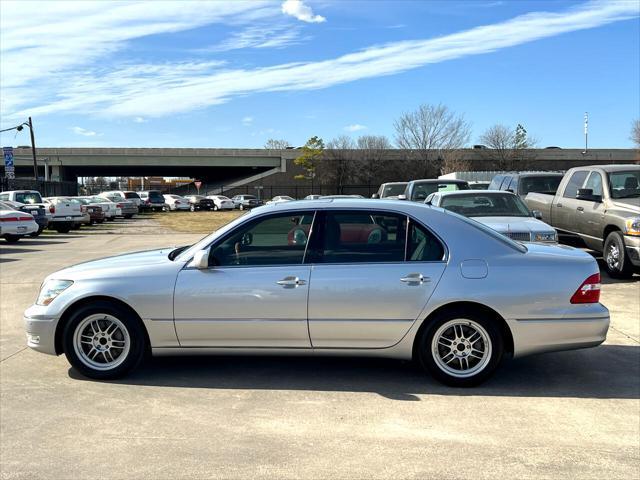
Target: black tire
65,229
134,329
76,226
111,219
11,238
616,259
92,222
215,208
128,215
468,318
100,221
37,234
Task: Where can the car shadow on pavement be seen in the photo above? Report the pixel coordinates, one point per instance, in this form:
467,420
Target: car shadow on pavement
11,250
608,371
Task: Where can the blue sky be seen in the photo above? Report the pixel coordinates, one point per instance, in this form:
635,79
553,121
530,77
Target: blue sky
233,74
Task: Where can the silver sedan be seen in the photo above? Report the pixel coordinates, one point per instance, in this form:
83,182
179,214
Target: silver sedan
329,277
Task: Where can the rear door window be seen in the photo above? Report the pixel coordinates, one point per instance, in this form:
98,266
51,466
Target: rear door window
423,246
360,237
575,182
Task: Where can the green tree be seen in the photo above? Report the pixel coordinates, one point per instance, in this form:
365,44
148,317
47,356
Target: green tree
312,153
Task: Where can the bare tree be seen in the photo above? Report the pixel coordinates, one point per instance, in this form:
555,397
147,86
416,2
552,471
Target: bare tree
340,167
276,144
428,132
635,132
508,148
371,164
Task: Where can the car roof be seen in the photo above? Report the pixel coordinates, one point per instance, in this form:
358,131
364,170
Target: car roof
612,168
439,180
466,192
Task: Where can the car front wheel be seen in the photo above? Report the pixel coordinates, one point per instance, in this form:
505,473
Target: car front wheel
103,341
461,348
617,262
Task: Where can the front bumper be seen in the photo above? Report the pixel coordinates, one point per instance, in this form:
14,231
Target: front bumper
40,330
555,334
632,245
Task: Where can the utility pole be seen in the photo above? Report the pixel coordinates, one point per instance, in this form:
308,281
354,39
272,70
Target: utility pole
586,133
33,149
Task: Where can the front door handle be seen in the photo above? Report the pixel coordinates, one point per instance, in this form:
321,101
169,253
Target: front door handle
415,278
580,209
559,205
291,282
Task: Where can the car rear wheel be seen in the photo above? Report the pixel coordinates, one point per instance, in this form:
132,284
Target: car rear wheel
128,215
461,348
616,259
63,229
37,234
103,341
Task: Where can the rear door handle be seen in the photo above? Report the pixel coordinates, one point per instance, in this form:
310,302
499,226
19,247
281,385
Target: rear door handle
559,205
415,278
580,209
291,282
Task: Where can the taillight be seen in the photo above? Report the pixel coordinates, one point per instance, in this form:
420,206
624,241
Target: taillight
83,208
589,291
52,209
119,205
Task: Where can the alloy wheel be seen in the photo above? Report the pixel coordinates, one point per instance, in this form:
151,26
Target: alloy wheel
101,341
461,348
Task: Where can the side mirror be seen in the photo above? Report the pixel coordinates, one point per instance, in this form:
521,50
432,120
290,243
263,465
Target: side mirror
402,197
375,195
587,194
201,260
537,214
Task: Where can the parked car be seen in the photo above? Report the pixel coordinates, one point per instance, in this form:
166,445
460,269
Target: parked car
246,202
199,202
109,208
505,212
437,287
390,190
220,202
96,215
523,183
85,218
419,190
479,185
127,208
152,200
133,197
16,224
32,200
599,207
36,210
65,214
176,202
280,199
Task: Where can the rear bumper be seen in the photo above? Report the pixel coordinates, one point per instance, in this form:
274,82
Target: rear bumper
548,335
632,245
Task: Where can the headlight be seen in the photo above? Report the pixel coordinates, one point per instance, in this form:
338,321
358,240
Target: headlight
545,237
632,226
51,290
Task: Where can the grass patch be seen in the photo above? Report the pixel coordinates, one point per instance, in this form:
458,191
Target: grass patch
193,222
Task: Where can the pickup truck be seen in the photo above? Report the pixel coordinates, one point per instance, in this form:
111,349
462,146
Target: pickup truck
600,207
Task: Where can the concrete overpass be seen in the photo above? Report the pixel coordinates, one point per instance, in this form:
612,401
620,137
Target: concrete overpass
212,165
233,167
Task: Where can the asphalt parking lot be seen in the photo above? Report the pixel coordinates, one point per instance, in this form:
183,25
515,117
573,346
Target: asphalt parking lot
571,414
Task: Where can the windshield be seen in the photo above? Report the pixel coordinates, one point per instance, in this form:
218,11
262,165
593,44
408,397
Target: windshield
131,195
393,190
625,184
28,197
548,184
223,198
156,195
422,190
486,205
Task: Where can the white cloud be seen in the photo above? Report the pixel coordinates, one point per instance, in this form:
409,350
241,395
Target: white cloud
155,90
355,127
247,121
139,120
263,36
297,9
84,132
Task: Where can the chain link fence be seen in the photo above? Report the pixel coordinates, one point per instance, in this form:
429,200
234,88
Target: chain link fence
46,188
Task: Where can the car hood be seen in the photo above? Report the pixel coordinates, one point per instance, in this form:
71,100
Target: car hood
632,204
515,224
124,263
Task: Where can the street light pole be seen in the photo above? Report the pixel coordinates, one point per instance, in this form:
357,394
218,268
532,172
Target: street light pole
33,149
